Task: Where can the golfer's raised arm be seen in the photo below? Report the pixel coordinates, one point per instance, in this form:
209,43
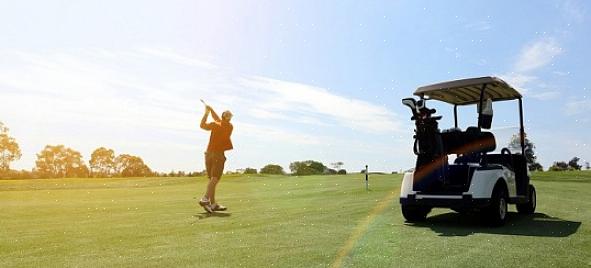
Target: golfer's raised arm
214,115
204,124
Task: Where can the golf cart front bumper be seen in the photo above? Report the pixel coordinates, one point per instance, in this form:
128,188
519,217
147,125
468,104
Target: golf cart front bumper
455,201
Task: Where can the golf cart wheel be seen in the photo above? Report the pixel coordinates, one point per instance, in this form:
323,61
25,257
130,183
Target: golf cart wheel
496,213
415,213
530,206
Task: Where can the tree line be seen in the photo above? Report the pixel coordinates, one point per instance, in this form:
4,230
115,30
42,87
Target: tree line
300,168
572,164
531,158
59,161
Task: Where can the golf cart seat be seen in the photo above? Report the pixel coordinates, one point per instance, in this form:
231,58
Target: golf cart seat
501,159
475,143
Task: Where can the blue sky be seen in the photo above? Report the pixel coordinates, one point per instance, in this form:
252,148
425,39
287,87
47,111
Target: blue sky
305,79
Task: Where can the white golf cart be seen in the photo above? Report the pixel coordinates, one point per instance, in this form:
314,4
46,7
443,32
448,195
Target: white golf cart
477,180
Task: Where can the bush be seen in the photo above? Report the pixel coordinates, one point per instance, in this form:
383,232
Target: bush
272,169
536,167
330,171
250,171
308,167
18,174
574,163
342,172
559,166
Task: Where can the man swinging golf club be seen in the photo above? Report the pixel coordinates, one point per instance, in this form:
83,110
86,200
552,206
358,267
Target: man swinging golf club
219,142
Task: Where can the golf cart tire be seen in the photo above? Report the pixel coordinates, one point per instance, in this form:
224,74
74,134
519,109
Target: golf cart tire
530,206
496,213
415,213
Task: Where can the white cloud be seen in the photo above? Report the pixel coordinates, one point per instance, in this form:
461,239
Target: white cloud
138,101
523,82
479,26
560,73
576,107
277,134
518,80
531,59
572,11
547,95
537,55
301,98
177,58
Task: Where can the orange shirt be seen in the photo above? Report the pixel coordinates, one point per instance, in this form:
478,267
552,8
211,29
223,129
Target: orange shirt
219,140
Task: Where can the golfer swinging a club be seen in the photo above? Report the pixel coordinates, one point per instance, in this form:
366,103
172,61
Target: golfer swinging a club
219,142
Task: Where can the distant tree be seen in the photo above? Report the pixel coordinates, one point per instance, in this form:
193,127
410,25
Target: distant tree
559,166
536,167
9,149
308,167
131,166
18,174
195,174
574,163
530,156
330,171
337,165
59,162
272,169
172,173
587,166
250,171
342,172
102,162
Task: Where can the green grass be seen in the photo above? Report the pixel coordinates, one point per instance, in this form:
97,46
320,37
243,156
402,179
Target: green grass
278,221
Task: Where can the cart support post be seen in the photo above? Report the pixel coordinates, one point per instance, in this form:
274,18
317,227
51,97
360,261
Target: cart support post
480,106
456,115
521,130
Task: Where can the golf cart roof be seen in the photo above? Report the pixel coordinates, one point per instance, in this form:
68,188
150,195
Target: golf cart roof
467,91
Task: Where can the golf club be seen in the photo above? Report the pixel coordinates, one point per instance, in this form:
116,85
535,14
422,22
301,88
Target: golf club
205,104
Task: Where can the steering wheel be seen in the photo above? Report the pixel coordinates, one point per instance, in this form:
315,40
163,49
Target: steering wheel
506,151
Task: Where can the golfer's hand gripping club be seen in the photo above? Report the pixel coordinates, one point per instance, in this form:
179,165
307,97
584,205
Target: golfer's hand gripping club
207,107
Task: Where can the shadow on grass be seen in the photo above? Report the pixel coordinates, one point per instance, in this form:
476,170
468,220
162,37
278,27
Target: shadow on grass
205,215
537,224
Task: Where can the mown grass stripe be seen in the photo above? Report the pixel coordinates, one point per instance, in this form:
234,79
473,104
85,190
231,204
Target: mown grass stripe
361,228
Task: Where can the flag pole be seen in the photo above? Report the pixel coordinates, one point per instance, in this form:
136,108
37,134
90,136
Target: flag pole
366,179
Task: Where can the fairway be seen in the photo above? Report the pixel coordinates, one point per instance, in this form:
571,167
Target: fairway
279,221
